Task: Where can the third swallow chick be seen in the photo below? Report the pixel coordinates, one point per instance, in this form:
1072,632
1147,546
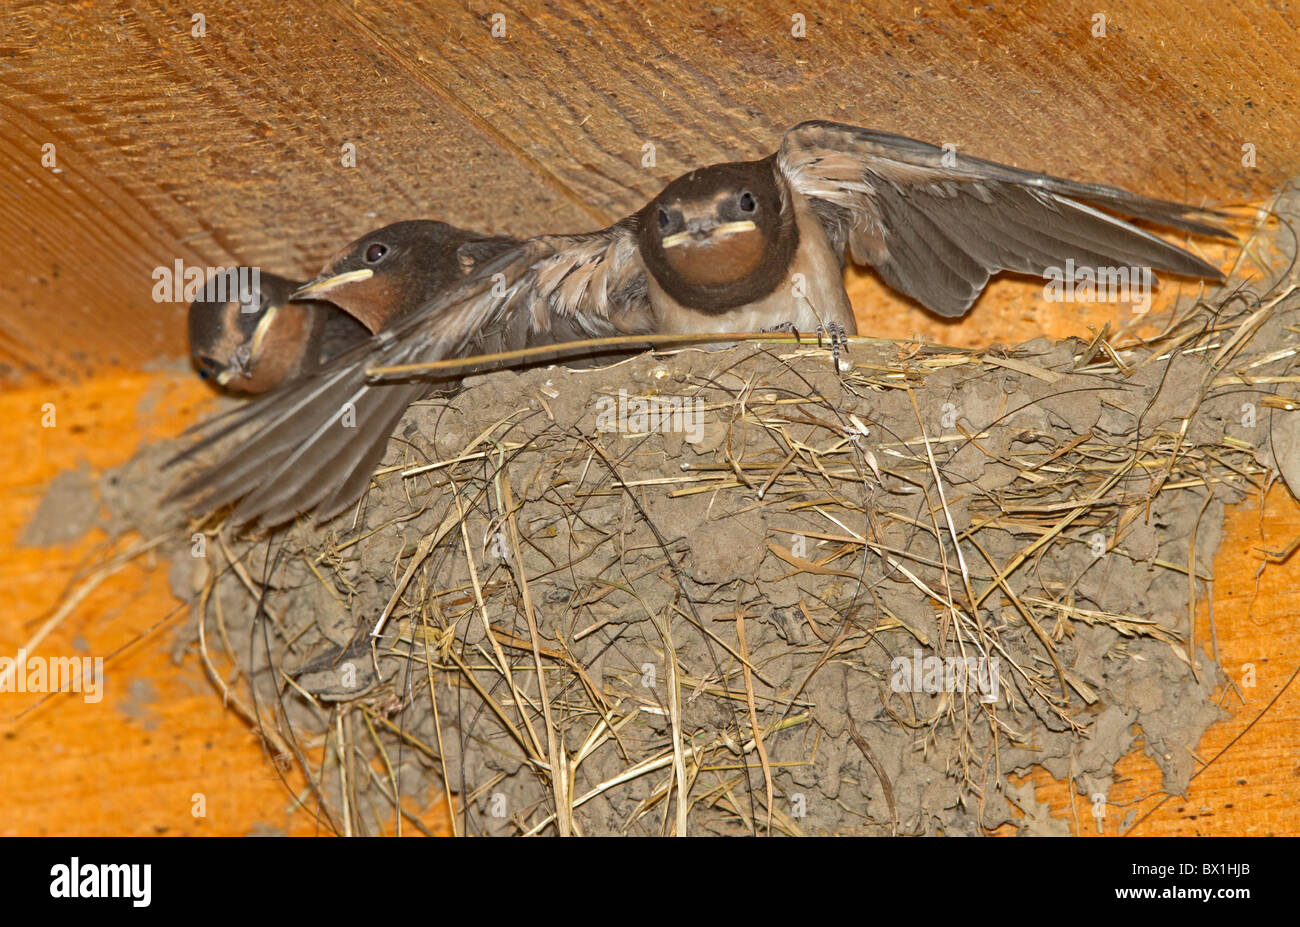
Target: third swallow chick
257,340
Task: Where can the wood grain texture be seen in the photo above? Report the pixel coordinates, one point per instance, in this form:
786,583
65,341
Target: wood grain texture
226,147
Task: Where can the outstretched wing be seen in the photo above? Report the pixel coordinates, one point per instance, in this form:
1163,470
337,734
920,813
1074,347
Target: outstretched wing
936,224
314,444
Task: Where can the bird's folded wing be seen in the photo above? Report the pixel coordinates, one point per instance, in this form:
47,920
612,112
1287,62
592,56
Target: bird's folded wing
313,445
936,224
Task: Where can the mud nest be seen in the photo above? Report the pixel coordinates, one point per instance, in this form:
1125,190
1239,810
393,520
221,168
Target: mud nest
744,591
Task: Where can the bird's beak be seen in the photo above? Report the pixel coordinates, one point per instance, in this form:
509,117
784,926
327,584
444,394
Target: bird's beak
321,286
708,230
263,326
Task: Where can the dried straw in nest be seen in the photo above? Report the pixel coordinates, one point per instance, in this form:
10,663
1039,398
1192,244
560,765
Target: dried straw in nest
742,591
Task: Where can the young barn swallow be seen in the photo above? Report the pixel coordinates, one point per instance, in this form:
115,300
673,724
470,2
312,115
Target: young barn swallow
254,344
389,273
729,248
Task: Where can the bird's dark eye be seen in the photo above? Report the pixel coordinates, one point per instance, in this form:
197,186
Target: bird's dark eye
375,253
663,219
747,202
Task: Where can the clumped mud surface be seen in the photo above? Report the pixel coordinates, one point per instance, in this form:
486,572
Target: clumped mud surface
911,580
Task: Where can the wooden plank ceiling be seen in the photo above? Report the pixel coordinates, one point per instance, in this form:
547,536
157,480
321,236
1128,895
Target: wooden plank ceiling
226,147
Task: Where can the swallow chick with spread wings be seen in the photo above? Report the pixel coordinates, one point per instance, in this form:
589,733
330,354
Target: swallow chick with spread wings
736,247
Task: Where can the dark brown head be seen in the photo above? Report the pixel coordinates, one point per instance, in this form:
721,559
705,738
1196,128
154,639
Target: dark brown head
390,272
721,236
245,335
